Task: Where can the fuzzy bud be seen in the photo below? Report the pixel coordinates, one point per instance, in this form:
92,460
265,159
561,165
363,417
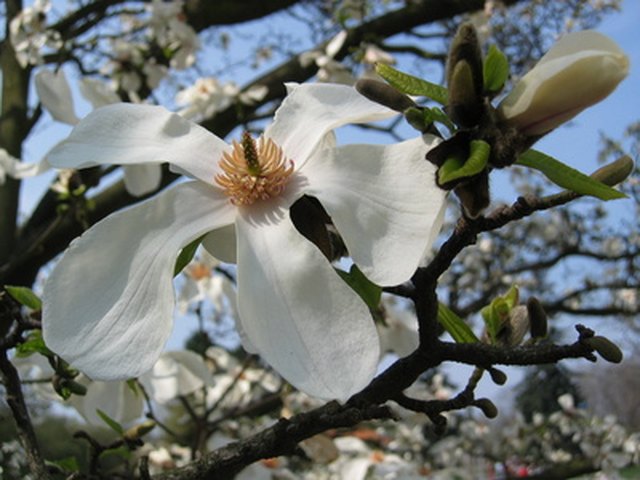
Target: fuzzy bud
581,69
615,172
488,408
465,77
384,94
537,318
608,350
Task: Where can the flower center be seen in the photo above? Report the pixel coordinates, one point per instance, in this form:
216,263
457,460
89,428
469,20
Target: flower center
254,170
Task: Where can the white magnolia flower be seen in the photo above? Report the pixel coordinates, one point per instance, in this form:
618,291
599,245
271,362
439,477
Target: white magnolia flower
108,304
580,70
55,95
176,374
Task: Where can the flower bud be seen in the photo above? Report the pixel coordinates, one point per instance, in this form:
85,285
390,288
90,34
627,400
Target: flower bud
581,69
464,77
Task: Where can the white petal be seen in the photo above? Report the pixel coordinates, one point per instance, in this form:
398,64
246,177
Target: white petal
16,169
384,202
142,179
335,44
116,399
221,243
175,374
312,110
97,93
55,95
108,304
297,312
125,134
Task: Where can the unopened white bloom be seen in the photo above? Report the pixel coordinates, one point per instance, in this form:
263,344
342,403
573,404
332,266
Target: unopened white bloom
55,95
108,304
580,70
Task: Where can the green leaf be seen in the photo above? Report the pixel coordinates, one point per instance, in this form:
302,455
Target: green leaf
25,296
115,426
412,85
455,326
435,114
495,70
497,312
566,177
33,344
453,169
368,291
186,255
67,464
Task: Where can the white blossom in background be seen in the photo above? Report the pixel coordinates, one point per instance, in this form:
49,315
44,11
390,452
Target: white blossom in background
202,283
207,96
119,400
329,70
237,383
175,374
374,54
399,331
55,95
29,34
124,55
170,30
14,168
115,322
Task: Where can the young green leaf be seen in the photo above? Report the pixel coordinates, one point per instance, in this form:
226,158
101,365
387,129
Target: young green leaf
186,255
566,177
477,161
67,464
455,326
412,85
495,70
115,426
25,296
33,344
368,291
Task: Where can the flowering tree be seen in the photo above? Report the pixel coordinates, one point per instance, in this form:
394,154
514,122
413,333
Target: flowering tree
320,257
